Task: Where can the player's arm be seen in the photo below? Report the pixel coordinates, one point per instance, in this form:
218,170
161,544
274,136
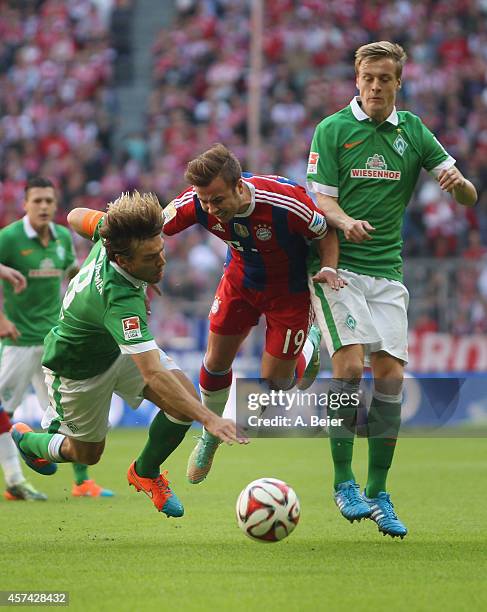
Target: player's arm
14,277
179,214
170,395
355,230
462,190
437,161
84,221
7,328
323,178
328,249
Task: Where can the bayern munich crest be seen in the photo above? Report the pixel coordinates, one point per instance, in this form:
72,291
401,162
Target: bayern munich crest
263,232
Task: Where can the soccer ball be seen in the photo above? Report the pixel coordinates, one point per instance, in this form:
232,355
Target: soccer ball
268,510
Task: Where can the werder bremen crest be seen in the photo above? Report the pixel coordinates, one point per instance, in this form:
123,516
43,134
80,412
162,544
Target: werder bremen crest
400,145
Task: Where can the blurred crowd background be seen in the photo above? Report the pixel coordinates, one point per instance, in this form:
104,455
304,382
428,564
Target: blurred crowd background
66,68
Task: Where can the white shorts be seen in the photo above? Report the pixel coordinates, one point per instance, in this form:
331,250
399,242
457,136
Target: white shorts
368,311
79,408
21,366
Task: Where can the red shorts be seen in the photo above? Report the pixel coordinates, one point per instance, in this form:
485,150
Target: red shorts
288,316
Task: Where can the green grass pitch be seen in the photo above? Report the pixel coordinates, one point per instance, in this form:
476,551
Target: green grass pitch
120,554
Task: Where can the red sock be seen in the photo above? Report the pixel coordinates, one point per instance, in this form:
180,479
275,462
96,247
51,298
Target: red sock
215,381
5,423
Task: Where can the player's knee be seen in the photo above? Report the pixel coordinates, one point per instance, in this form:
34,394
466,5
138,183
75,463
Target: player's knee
351,370
279,383
216,363
89,455
92,458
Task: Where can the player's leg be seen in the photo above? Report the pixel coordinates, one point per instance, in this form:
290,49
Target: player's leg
76,419
388,304
232,315
83,485
166,432
348,330
384,421
215,383
15,373
292,347
347,369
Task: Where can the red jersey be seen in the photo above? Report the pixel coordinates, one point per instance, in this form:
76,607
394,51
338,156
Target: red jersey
268,243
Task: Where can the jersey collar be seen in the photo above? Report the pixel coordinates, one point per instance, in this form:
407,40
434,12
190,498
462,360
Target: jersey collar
30,231
361,115
251,207
136,282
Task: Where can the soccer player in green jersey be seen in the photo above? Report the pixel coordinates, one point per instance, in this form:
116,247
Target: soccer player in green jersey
41,252
363,166
102,345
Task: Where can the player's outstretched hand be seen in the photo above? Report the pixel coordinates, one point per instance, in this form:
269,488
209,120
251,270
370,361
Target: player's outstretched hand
357,230
14,277
225,429
331,278
451,178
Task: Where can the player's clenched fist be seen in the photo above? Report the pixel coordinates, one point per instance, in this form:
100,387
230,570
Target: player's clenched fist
451,178
357,230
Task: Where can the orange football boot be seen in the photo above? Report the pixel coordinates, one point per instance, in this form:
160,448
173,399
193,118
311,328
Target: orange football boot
158,489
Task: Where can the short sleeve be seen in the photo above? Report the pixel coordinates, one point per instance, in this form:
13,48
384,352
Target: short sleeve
434,156
126,321
179,214
322,173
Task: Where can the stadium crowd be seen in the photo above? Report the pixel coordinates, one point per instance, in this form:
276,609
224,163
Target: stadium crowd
58,113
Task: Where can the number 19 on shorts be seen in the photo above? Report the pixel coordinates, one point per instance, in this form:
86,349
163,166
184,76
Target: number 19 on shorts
293,341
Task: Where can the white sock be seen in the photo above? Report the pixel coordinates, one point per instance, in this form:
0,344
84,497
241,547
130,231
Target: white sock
53,448
214,401
9,460
308,349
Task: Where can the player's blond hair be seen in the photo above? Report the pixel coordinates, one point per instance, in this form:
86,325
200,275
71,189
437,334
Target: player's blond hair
131,218
217,161
379,50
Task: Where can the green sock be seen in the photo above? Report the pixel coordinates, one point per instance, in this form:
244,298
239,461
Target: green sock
36,444
44,445
384,422
80,472
165,435
342,436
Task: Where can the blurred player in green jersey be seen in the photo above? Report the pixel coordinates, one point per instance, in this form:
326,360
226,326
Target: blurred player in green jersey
42,251
102,345
363,166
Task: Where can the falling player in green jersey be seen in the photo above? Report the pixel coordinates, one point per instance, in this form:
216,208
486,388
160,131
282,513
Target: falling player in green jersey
363,166
41,251
102,345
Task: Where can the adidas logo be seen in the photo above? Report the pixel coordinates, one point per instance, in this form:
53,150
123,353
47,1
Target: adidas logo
218,227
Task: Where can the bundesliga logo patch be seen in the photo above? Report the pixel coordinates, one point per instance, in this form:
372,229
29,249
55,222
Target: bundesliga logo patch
313,162
318,223
131,328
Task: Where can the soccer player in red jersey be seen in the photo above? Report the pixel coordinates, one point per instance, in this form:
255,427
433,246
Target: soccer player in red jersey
267,222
